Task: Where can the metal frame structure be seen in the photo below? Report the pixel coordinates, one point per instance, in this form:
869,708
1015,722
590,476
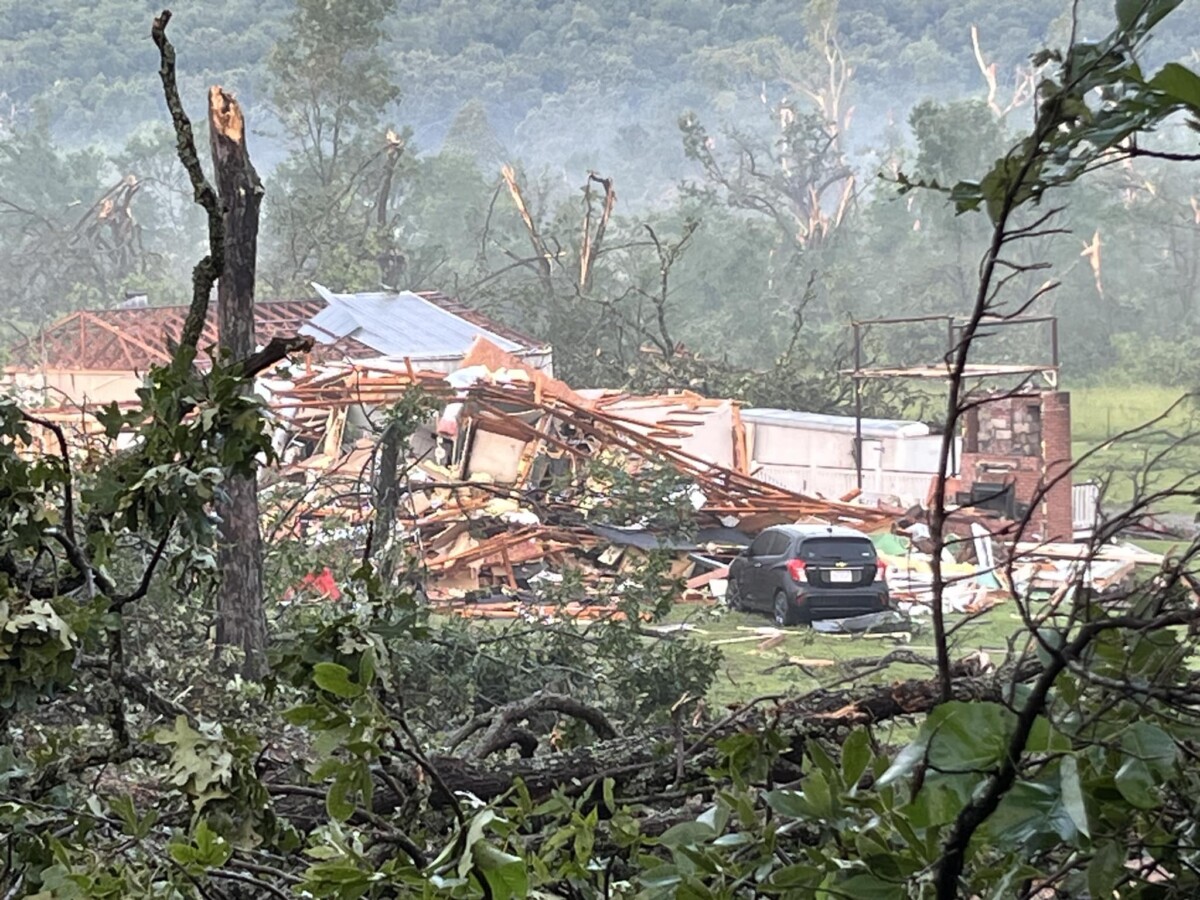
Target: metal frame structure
955,325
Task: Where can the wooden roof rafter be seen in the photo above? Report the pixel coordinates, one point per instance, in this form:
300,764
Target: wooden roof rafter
134,338
124,339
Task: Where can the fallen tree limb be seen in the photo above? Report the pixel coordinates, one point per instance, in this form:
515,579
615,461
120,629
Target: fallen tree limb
277,350
647,763
385,831
140,690
503,722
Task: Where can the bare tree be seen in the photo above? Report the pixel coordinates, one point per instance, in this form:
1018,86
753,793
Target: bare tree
1024,81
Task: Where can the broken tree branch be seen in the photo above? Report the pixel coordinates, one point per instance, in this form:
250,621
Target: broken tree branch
540,249
641,764
277,350
590,248
503,721
208,270
76,553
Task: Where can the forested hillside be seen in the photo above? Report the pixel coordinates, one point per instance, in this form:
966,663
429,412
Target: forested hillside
745,142
535,64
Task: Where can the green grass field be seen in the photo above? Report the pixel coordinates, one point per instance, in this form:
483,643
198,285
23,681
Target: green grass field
1166,454
1100,413
749,671
1169,450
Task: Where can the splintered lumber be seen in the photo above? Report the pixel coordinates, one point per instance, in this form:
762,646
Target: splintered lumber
488,513
727,491
509,572
1085,552
513,408
337,386
482,549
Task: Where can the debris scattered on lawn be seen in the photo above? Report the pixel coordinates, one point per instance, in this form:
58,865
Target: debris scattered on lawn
886,622
518,486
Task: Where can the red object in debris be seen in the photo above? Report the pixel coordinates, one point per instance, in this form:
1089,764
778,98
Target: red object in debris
322,583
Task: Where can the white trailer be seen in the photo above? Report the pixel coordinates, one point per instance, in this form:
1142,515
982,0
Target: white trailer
814,454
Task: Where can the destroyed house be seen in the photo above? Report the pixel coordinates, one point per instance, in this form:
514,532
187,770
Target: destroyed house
95,357
1015,462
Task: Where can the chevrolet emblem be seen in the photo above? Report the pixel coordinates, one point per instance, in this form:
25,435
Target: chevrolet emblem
840,564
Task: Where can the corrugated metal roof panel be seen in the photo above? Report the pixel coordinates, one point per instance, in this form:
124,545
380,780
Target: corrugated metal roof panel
402,324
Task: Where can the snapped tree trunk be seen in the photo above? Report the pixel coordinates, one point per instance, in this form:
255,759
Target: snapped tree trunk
241,621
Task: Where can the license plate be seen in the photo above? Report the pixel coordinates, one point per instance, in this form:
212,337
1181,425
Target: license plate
841,576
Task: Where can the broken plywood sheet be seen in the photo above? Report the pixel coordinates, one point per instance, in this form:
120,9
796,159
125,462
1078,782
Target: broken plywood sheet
462,544
701,428
514,554
1106,553
682,568
700,581
455,584
419,503
611,555
497,456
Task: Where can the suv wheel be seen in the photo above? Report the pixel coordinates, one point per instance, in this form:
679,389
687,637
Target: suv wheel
785,611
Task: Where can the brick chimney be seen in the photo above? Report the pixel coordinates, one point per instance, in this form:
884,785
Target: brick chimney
1012,447
1056,455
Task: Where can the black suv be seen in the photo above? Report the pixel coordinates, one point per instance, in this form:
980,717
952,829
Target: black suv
806,572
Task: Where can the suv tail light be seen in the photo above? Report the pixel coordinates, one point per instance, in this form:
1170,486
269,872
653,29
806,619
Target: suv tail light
795,568
881,571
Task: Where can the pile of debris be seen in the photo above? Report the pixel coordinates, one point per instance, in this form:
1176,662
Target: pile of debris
511,494
515,490
511,489
978,574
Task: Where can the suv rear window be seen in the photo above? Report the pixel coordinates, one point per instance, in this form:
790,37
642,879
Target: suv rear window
845,549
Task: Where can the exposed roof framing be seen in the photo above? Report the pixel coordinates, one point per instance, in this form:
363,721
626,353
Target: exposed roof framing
136,338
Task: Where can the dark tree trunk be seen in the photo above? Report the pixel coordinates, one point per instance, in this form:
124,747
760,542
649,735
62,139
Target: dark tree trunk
240,618
387,498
